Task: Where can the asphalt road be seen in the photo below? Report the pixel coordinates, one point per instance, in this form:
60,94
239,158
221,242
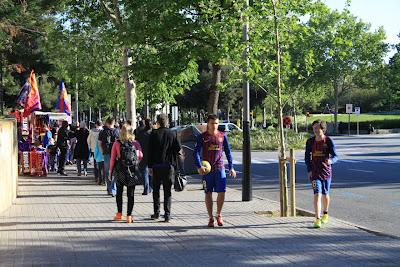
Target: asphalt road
365,186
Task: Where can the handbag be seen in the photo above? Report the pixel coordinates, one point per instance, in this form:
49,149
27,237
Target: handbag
180,182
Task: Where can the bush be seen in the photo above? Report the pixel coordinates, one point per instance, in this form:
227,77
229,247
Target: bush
268,139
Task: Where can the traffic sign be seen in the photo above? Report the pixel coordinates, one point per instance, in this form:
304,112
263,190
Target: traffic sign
349,108
357,110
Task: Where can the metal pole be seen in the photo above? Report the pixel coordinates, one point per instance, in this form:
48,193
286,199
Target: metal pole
76,87
358,126
348,125
246,182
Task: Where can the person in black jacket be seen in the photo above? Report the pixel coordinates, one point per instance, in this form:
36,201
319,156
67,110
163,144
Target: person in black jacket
81,153
143,135
63,136
164,148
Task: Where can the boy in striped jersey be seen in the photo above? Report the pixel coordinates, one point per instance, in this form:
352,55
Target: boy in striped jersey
320,154
211,144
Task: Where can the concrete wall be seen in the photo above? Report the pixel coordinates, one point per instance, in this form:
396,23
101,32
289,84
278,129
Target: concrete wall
8,163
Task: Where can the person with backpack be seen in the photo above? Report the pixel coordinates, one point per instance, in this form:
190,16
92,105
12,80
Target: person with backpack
319,156
126,154
164,148
107,137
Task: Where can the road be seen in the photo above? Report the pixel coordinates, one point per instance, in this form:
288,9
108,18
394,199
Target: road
366,181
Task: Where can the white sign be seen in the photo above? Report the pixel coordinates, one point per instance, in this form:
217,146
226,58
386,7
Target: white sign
357,110
349,108
174,113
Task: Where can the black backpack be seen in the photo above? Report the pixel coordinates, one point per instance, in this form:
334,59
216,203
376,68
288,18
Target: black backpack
108,140
129,159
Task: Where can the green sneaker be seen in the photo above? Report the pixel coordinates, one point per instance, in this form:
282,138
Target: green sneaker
317,223
325,219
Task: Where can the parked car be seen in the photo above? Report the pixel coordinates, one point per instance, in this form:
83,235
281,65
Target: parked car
228,127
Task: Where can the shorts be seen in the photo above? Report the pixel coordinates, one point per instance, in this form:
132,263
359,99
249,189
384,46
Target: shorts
215,181
321,186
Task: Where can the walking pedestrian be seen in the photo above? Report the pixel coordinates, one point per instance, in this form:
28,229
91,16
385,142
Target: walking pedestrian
92,141
143,136
82,148
51,150
125,156
164,148
210,146
99,159
63,135
320,154
107,137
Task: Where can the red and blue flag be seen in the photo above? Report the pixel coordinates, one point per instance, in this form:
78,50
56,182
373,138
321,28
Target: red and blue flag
63,103
32,101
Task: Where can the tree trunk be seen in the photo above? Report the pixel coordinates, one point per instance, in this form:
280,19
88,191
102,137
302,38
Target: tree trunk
130,89
336,88
213,92
264,123
282,159
294,116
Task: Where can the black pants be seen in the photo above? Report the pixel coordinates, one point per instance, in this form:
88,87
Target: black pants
162,176
62,159
100,170
129,193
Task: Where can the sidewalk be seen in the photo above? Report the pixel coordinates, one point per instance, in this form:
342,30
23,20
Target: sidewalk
66,221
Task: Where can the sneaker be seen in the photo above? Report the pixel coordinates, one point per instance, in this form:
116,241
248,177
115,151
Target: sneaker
118,216
129,219
167,219
63,174
211,222
85,173
325,218
317,223
155,216
220,222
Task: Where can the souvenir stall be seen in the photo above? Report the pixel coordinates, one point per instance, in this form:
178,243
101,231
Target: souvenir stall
32,156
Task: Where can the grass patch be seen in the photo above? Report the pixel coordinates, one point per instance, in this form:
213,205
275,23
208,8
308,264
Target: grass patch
268,139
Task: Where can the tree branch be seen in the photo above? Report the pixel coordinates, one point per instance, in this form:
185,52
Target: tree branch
110,15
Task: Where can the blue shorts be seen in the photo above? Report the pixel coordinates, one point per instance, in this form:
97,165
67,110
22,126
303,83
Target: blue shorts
321,186
215,181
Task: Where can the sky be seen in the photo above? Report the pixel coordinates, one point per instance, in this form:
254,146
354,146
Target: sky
377,12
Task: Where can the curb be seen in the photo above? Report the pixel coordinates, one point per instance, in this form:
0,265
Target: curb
308,213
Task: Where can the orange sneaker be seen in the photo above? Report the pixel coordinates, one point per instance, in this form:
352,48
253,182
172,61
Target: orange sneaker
118,216
129,219
211,222
220,222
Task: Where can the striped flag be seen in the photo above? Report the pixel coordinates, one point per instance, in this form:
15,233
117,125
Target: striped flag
32,102
63,103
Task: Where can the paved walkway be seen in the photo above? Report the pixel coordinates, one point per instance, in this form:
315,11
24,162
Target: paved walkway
66,221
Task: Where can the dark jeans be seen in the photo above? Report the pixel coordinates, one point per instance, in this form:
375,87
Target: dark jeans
61,161
79,165
100,168
162,176
96,170
52,162
130,191
144,171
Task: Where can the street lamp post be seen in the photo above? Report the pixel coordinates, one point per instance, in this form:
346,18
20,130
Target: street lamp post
246,181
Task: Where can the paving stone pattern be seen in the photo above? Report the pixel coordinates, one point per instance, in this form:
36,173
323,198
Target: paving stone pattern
67,221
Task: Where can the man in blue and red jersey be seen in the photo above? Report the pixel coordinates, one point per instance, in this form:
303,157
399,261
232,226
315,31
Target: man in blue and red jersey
319,156
211,144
